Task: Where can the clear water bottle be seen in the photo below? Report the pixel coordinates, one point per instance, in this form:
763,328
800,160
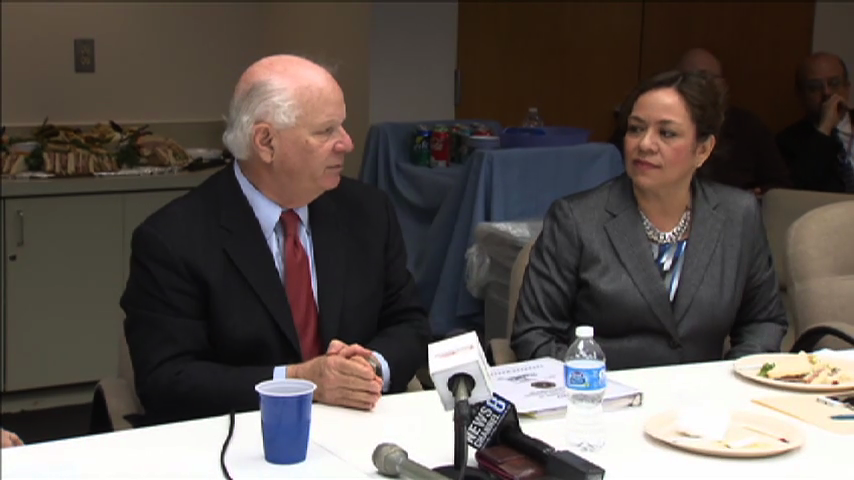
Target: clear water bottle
584,372
532,119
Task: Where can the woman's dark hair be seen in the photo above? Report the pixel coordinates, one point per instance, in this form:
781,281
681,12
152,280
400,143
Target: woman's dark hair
705,98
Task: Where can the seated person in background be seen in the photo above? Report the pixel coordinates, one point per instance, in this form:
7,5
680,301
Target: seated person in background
10,439
274,267
663,265
820,147
745,154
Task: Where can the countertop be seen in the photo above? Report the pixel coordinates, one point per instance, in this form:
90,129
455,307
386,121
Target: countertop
17,188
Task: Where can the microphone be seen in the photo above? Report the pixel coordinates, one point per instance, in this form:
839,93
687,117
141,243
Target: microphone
393,461
461,375
459,370
496,422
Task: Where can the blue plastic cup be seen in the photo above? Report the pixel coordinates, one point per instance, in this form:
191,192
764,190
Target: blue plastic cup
285,419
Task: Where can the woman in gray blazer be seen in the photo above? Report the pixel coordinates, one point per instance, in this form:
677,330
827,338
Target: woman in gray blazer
662,264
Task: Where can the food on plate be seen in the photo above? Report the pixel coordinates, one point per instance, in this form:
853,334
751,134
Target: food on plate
162,152
703,421
70,151
805,368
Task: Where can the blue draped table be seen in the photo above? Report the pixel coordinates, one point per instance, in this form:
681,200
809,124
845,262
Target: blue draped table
439,208
498,185
416,191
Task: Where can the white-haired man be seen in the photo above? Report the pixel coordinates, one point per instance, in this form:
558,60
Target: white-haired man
275,267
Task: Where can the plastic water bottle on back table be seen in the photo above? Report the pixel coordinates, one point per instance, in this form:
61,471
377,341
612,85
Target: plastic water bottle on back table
532,119
584,373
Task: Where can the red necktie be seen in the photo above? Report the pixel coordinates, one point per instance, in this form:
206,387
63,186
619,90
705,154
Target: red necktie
298,288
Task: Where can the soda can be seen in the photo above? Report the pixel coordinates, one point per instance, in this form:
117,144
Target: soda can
460,150
481,129
440,147
420,154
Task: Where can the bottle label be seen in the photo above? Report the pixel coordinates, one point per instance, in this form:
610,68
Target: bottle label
584,378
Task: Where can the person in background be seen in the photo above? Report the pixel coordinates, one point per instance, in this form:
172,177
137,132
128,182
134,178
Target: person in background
745,155
10,439
274,267
820,147
662,263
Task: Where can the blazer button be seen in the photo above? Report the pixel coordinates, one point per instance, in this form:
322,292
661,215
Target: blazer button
673,343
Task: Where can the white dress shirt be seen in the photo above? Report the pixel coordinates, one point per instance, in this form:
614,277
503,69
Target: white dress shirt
845,134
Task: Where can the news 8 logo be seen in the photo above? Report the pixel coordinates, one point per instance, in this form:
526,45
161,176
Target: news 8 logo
496,404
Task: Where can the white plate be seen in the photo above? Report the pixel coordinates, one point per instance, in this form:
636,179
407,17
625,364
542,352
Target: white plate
203,153
750,435
748,367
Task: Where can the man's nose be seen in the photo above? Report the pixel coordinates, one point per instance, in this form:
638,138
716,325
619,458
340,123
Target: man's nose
346,144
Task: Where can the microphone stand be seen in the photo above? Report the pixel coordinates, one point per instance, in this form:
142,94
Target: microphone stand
461,385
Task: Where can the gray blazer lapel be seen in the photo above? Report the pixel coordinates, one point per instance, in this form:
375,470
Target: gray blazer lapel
625,231
706,229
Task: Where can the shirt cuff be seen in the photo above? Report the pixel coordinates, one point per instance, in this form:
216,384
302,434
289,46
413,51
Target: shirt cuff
386,372
280,372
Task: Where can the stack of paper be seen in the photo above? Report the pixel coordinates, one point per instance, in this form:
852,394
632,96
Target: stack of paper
537,388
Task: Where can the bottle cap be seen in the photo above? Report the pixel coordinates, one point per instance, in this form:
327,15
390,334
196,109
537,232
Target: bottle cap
584,331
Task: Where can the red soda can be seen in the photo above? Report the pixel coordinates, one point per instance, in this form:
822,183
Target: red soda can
440,147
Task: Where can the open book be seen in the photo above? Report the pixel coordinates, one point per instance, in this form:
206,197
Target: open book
537,388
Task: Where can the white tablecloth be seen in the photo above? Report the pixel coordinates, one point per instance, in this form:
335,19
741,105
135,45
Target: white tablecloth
342,440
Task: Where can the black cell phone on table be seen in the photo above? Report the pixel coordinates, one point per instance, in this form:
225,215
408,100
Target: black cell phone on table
842,400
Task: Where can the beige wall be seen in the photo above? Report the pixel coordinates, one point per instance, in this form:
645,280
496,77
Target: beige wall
834,31
335,33
165,62
413,58
172,63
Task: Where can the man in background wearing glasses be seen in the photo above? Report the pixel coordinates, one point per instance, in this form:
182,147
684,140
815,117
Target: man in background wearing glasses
820,148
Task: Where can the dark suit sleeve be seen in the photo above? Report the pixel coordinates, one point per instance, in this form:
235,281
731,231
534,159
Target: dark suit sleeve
772,171
544,312
176,372
811,157
403,331
761,322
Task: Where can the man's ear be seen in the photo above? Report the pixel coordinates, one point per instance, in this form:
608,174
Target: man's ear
704,150
263,141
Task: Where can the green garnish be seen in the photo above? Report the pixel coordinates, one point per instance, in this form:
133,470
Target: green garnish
763,372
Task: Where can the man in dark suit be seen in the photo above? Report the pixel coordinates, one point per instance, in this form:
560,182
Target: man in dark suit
275,267
820,147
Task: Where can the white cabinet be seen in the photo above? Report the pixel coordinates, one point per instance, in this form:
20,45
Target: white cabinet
2,297
66,252
62,280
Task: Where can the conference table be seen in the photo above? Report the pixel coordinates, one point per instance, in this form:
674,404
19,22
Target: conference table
343,440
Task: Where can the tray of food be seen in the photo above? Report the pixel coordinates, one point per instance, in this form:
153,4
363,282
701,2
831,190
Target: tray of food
107,149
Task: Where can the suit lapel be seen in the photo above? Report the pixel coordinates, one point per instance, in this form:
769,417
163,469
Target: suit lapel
625,231
327,236
245,244
706,229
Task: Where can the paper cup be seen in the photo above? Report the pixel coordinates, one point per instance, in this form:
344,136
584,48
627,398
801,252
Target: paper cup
285,419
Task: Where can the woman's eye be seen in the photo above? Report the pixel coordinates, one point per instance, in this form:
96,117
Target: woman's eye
634,129
668,134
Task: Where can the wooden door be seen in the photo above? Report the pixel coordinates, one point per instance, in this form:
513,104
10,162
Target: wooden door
758,43
575,61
